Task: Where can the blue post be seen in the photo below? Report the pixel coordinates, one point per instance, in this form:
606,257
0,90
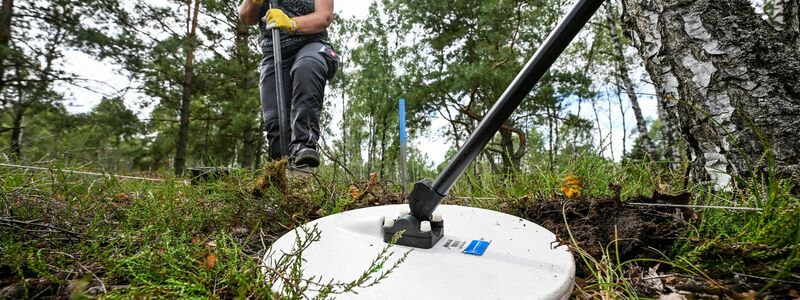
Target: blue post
403,174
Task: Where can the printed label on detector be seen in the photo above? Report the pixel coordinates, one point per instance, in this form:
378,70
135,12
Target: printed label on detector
454,244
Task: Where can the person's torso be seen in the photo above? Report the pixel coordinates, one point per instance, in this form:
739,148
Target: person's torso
292,8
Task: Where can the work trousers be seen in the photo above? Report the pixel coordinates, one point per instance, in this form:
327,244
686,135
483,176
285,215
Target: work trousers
305,74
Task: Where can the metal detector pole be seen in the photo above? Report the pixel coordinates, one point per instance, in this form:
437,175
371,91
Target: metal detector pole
426,196
283,117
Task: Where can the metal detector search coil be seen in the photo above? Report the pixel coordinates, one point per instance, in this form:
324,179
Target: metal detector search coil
522,261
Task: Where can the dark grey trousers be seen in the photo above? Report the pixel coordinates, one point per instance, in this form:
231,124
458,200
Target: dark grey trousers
305,73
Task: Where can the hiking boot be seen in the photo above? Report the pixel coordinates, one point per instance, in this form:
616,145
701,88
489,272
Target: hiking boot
308,156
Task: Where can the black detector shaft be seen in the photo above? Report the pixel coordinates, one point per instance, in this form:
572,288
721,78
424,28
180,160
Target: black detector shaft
426,196
283,116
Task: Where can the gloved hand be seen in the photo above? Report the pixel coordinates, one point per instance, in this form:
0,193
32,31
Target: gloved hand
276,18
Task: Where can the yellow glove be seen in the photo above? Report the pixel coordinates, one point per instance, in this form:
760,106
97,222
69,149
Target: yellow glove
276,18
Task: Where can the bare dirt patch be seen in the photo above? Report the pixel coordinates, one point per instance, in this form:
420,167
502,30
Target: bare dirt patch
597,223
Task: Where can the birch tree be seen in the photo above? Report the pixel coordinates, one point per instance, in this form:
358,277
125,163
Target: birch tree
727,78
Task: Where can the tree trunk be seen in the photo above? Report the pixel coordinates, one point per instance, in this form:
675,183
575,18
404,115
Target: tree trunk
382,169
624,76
16,132
668,136
551,155
611,130
186,92
624,124
251,134
260,144
783,15
512,159
557,129
372,142
507,147
248,147
6,12
600,137
729,79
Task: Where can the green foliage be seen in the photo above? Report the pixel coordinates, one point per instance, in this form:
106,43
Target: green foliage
35,44
142,240
762,243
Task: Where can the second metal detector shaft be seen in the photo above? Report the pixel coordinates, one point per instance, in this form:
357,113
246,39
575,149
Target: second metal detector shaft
283,116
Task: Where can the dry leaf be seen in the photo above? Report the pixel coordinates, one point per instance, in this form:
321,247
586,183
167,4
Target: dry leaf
653,280
373,179
320,212
211,261
525,198
211,244
572,180
262,182
121,197
354,192
571,187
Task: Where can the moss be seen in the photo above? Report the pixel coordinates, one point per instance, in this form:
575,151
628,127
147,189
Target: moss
273,178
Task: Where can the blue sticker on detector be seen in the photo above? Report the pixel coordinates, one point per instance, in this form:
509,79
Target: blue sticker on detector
477,247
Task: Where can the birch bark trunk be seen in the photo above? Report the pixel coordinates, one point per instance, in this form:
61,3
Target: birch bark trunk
728,81
623,76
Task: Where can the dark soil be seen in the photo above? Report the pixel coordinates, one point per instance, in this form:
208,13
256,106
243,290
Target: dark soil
597,223
642,232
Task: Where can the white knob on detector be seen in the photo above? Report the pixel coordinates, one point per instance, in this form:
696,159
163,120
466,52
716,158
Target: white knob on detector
425,226
388,222
404,212
437,217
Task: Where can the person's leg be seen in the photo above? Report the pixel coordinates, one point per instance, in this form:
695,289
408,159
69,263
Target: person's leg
269,101
308,89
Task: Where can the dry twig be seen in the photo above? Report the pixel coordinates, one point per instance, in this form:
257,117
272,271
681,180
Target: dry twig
16,224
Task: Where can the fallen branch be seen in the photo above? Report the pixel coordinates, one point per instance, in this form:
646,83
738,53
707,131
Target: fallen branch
16,223
83,173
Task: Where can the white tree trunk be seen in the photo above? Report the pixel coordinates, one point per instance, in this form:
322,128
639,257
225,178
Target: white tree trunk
623,77
728,80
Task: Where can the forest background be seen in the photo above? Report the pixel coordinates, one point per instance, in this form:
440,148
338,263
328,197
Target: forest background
112,95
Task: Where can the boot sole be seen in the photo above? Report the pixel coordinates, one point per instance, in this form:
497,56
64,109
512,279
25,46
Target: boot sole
307,160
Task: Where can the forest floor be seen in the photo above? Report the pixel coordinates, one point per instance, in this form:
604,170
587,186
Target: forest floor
64,235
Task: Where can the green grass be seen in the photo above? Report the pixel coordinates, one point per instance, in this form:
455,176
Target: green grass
136,239
722,243
141,239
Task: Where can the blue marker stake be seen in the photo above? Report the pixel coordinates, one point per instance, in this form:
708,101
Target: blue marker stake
403,175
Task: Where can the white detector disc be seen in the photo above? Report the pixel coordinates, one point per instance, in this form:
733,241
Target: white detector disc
522,261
